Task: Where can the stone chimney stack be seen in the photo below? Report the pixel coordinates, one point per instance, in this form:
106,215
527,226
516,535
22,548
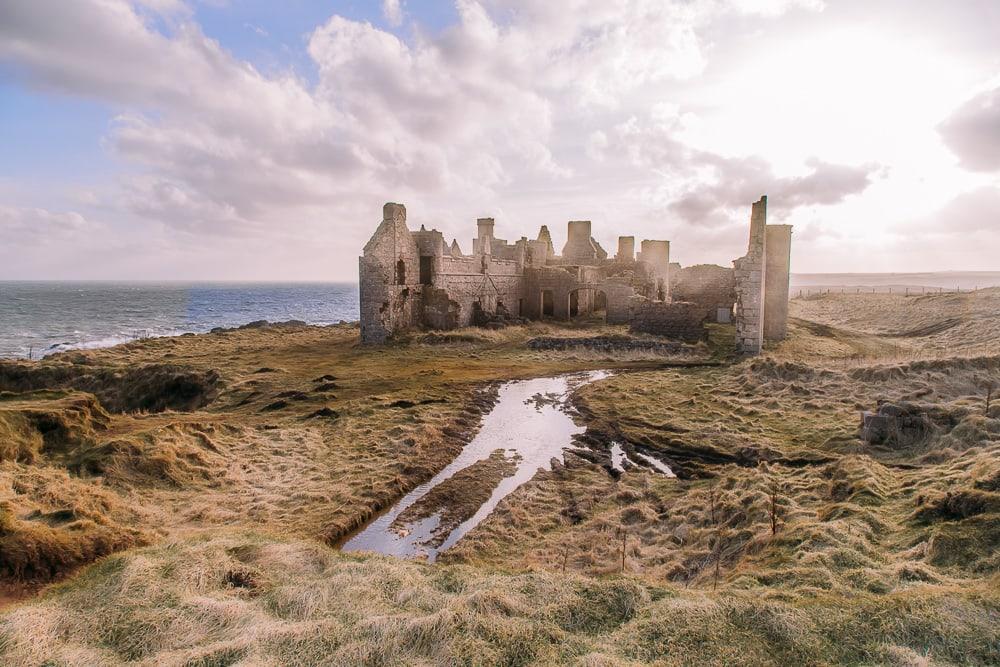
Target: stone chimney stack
579,248
626,249
481,245
392,211
485,226
578,231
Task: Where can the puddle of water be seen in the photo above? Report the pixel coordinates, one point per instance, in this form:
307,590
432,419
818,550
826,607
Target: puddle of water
619,457
530,420
657,463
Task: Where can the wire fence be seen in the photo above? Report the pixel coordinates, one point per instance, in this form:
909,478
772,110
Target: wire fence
799,292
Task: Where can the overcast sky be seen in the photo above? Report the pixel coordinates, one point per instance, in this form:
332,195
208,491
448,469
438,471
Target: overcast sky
247,139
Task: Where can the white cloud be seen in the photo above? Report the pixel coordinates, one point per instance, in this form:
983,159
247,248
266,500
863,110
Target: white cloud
392,10
973,131
534,112
25,226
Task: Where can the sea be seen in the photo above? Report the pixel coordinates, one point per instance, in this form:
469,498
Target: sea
41,318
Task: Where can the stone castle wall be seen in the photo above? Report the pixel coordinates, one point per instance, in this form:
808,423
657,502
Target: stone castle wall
711,287
679,320
418,280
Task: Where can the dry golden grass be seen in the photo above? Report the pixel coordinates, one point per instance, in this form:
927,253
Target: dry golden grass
47,423
786,540
922,325
250,599
306,433
777,434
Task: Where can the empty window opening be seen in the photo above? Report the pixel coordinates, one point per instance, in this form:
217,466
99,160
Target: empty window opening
426,270
400,272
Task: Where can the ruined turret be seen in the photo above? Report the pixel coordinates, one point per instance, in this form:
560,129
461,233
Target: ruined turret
388,270
545,237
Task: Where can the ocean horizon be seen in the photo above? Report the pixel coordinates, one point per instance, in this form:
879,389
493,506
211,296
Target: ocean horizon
38,318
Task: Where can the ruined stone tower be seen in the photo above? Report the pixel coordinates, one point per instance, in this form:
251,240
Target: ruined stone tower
762,277
388,272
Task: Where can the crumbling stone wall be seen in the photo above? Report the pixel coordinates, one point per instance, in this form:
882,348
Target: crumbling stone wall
560,281
762,277
440,310
417,279
708,285
618,293
749,275
483,280
679,320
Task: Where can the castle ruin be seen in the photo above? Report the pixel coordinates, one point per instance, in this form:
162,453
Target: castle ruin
416,279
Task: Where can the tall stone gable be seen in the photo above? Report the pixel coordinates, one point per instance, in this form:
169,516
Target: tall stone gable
389,273
749,273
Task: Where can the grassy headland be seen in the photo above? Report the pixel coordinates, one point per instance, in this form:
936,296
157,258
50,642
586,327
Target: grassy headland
239,457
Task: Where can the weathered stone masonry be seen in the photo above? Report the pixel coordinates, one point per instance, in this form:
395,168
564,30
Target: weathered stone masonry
761,282
415,279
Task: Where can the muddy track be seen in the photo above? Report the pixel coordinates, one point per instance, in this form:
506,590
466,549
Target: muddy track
337,533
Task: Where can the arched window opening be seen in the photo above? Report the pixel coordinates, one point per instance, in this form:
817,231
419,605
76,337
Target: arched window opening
400,272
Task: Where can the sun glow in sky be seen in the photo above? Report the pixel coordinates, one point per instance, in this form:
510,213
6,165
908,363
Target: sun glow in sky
243,139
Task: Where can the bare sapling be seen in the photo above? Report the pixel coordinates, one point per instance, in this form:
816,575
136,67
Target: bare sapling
624,537
774,507
711,504
720,535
